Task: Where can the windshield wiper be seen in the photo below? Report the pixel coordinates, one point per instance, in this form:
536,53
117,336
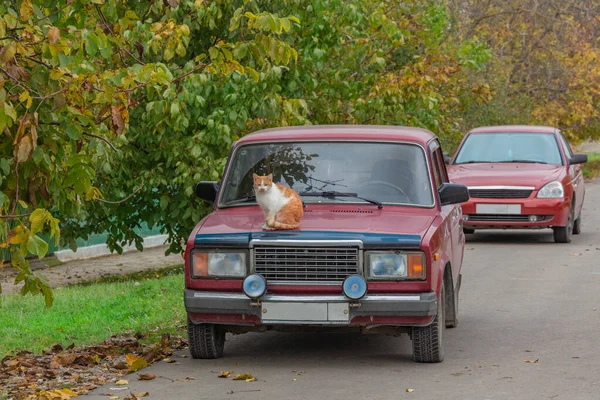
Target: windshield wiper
334,194
524,161
474,162
246,199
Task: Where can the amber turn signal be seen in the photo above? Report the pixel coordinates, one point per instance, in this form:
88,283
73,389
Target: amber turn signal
416,269
199,263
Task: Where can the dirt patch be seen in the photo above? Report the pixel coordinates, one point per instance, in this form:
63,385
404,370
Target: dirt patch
79,271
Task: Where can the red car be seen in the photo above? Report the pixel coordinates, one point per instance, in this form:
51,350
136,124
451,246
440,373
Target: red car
379,249
520,177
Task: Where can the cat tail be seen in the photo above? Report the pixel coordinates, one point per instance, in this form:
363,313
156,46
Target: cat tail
282,226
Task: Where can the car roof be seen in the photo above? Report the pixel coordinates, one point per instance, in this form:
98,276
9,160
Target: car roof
514,128
340,132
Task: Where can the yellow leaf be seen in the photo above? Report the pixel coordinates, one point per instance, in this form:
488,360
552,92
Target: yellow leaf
143,394
244,377
114,397
53,34
410,390
122,382
225,374
532,361
18,235
23,149
26,10
135,363
8,52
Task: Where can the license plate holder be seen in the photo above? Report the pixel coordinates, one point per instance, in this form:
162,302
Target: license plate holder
497,209
305,312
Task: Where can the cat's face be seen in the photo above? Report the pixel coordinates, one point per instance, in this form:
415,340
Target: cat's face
262,183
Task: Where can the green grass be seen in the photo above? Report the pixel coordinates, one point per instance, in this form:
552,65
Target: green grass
591,169
87,314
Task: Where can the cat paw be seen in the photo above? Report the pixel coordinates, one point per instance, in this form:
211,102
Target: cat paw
267,228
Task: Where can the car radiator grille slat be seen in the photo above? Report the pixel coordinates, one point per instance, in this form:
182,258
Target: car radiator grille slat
504,218
500,193
306,264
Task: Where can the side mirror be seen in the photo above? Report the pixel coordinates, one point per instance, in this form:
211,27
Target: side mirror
207,190
447,158
453,193
578,159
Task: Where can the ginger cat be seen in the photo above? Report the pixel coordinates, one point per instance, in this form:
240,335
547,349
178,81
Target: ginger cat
281,205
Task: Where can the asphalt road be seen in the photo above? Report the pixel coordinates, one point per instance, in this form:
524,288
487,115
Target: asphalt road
523,298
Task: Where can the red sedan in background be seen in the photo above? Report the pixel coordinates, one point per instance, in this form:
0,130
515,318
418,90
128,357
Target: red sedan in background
520,177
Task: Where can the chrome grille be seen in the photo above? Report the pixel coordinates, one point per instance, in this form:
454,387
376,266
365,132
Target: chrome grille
500,193
306,264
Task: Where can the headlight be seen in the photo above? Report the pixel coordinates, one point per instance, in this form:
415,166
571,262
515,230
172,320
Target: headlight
551,190
395,265
228,265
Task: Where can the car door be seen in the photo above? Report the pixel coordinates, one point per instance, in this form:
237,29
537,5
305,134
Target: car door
575,175
451,212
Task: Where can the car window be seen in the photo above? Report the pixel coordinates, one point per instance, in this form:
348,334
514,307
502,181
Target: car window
566,146
437,158
506,147
387,172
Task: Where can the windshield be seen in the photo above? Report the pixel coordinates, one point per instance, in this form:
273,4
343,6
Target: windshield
509,147
383,172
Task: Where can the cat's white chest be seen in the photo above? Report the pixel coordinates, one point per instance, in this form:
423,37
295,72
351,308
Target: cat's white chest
272,201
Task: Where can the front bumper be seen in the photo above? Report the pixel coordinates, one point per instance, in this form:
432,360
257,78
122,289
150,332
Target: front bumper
548,212
236,308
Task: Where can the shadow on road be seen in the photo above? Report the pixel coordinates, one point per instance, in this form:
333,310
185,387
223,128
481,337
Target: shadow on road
523,237
327,348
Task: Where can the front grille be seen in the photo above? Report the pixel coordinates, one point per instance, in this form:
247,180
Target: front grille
504,218
500,193
306,264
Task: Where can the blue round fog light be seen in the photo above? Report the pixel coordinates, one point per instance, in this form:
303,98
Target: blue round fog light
354,287
254,286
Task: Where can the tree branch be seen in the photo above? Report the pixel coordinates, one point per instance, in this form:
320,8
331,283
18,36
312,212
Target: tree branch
101,138
18,82
123,200
9,217
111,31
52,14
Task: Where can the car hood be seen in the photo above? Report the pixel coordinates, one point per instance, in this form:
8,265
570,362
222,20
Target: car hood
504,174
333,218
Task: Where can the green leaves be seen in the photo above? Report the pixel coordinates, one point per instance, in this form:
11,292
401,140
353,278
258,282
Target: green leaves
37,246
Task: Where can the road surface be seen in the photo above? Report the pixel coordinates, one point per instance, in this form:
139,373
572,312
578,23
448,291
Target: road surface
524,298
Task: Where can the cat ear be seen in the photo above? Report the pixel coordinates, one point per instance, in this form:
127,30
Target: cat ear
254,176
270,176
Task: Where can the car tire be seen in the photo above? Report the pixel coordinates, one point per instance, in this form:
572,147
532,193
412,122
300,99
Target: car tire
468,231
206,341
577,225
563,234
428,341
455,294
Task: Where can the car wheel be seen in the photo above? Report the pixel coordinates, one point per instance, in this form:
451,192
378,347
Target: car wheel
428,341
577,225
468,231
562,234
205,340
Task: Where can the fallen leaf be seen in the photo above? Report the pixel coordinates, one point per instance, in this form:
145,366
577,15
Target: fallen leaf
457,374
142,394
410,390
169,360
121,382
244,377
294,379
146,377
114,397
135,363
225,374
532,361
